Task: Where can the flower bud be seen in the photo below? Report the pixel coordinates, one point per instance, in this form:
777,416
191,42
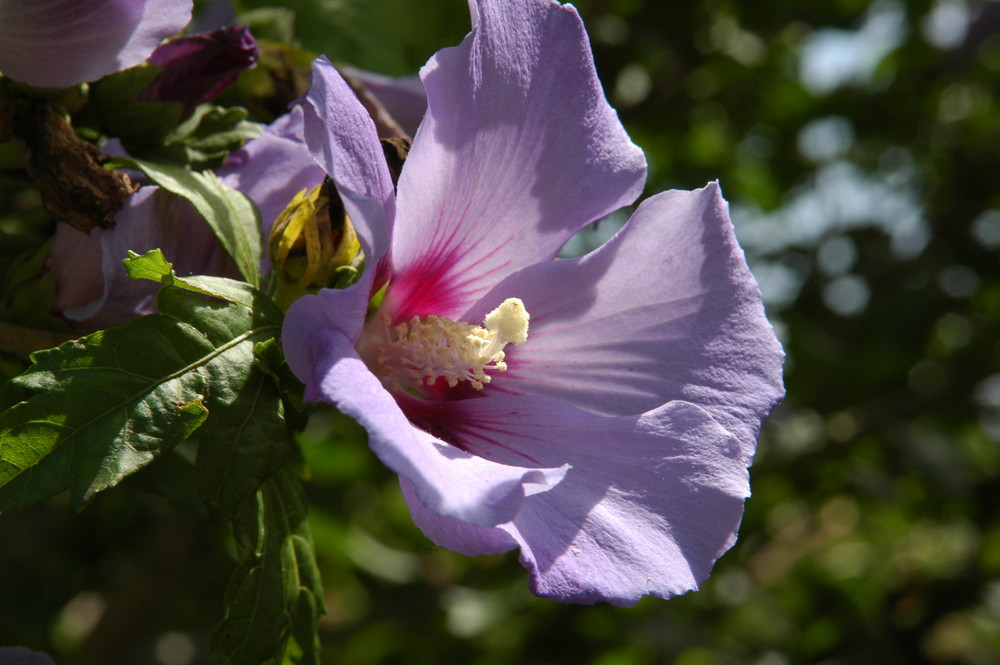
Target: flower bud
197,68
313,245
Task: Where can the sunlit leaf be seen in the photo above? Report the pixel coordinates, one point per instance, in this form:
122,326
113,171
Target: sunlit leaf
233,217
104,406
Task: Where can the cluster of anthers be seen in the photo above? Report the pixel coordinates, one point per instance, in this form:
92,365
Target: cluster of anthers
425,349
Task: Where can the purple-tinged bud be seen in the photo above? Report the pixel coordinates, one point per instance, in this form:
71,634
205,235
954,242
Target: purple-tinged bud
197,68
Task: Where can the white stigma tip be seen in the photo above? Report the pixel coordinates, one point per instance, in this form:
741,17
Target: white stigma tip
510,321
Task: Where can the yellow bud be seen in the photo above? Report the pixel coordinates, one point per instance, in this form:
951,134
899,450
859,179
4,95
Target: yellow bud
311,240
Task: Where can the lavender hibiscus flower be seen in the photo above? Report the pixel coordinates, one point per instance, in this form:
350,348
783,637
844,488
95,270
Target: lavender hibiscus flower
59,43
599,413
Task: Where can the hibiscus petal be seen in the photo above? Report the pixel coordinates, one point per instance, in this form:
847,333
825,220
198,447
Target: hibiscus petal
59,43
451,482
342,138
75,259
456,535
517,151
666,310
648,505
272,168
151,219
22,656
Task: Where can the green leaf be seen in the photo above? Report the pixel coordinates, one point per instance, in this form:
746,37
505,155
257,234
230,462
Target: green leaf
271,360
106,405
28,291
233,217
115,107
275,596
152,265
246,438
274,24
171,476
206,138
394,37
241,446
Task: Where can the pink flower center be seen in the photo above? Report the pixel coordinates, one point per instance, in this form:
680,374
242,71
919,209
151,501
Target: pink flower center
419,352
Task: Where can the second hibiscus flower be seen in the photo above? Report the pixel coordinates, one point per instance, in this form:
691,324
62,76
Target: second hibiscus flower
599,413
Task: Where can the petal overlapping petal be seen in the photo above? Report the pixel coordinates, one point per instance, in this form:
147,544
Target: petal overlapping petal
341,136
517,151
648,505
59,43
450,481
666,310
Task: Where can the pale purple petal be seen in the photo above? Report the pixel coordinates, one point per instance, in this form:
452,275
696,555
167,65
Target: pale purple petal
666,310
313,316
648,505
451,482
518,150
456,535
272,168
59,43
22,656
151,219
75,261
342,138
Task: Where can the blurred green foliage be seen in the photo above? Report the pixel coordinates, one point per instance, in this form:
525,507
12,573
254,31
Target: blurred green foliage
859,145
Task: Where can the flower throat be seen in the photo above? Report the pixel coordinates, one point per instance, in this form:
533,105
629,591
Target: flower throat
425,349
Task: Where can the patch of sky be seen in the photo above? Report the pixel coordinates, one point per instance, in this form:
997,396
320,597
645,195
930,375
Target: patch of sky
946,24
595,235
986,229
824,139
987,394
832,58
840,197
